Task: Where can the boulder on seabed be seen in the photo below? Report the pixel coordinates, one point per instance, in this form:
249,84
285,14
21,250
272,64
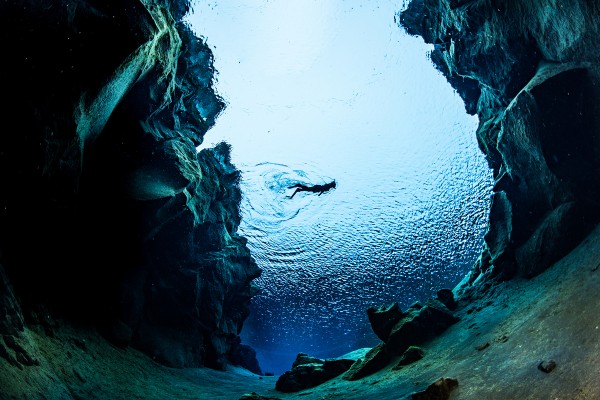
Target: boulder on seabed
419,326
383,319
376,359
438,390
309,372
411,355
416,326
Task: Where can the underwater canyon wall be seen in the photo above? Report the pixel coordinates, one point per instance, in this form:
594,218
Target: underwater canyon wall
530,71
108,214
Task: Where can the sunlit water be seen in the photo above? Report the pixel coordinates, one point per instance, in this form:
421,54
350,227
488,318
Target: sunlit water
319,90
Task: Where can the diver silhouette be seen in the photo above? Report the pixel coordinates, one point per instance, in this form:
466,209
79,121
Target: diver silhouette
314,188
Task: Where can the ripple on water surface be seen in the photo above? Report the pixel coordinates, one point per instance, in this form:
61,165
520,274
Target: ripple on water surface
327,258
341,92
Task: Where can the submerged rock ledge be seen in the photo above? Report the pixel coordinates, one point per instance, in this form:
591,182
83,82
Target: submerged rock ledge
529,70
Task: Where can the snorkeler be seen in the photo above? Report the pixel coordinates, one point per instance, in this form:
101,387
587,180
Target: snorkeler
314,189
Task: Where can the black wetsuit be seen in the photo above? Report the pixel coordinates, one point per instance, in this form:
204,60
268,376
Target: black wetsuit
314,189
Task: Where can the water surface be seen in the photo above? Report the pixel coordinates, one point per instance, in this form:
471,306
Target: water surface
330,89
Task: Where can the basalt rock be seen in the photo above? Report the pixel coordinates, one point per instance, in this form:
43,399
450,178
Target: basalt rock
438,390
110,215
411,355
244,356
309,372
446,297
376,359
530,72
418,325
383,319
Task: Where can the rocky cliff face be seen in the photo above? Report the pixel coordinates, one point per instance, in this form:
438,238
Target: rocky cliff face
529,69
108,215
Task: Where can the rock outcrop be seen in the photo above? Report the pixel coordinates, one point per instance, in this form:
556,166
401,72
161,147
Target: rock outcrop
438,390
108,214
400,333
529,70
309,372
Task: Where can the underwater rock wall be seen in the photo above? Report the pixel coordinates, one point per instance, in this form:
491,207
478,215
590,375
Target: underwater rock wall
108,214
529,70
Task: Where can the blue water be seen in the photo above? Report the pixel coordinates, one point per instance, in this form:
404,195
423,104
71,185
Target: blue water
320,90
380,236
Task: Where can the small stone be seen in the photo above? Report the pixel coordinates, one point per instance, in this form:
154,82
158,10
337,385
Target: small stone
547,366
502,339
483,346
438,390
